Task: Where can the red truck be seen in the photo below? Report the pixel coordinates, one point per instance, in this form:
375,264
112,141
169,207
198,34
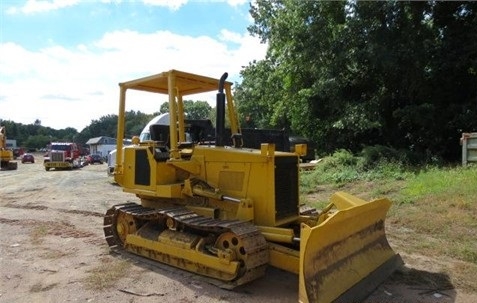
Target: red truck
62,155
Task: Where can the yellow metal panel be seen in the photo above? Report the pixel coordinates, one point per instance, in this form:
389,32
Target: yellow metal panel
301,149
284,258
276,234
223,167
194,258
204,211
164,173
237,155
186,83
169,191
128,168
231,180
267,149
6,155
344,249
120,133
172,90
191,166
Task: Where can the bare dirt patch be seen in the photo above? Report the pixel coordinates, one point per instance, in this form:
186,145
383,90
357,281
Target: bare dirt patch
53,250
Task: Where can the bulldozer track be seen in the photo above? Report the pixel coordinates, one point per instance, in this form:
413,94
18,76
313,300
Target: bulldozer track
252,241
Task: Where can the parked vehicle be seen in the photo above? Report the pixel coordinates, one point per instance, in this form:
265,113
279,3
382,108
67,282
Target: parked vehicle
28,158
18,152
62,155
111,162
95,159
6,155
227,212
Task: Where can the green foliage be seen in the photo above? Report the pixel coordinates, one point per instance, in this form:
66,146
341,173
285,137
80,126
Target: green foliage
258,98
438,205
36,136
343,167
434,181
364,73
107,126
34,142
193,109
431,205
378,153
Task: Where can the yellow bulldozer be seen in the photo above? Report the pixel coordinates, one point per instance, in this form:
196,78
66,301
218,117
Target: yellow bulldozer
6,155
226,212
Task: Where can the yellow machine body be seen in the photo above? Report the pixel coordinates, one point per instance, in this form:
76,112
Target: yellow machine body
6,155
227,212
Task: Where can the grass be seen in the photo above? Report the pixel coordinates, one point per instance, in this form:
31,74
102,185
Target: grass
106,274
434,212
38,233
450,183
442,203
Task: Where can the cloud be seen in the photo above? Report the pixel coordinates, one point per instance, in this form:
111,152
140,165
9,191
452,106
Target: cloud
59,97
237,2
176,4
172,5
41,6
69,87
226,35
163,50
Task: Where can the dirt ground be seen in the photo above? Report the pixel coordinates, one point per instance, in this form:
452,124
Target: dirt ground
52,249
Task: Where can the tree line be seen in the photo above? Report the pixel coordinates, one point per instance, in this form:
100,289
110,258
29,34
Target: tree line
395,75
35,136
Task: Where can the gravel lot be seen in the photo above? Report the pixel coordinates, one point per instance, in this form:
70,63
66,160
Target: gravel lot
52,250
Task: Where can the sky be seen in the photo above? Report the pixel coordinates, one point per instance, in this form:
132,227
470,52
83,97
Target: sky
61,60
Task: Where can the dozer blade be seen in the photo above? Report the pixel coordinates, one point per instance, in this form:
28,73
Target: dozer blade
345,257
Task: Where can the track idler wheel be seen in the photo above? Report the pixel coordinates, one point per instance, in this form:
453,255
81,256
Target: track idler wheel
125,224
230,243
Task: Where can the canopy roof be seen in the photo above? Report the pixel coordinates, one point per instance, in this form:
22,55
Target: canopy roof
186,83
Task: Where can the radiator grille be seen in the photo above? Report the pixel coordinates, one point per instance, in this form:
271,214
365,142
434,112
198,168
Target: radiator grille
286,187
57,156
142,172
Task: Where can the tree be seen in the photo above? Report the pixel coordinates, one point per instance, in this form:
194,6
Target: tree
354,73
197,109
107,126
258,98
193,109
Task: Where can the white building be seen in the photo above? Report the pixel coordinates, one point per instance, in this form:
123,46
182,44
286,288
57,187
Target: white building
103,145
11,144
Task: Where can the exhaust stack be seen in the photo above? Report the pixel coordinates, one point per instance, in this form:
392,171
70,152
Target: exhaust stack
220,118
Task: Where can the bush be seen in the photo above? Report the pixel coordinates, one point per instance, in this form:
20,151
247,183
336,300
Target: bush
341,157
341,167
379,153
376,163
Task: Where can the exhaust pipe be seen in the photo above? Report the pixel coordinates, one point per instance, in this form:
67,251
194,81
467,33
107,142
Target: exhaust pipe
220,118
